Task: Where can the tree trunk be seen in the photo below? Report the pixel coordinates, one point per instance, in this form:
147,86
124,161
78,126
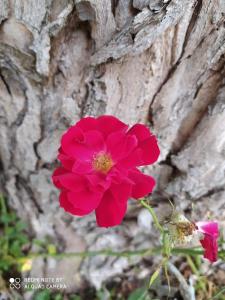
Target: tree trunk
152,61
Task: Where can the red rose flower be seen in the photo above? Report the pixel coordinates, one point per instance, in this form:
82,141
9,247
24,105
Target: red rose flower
210,233
99,159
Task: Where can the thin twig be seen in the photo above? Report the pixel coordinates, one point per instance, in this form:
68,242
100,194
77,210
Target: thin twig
187,291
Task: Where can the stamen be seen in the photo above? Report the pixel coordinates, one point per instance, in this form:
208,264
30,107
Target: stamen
184,229
102,162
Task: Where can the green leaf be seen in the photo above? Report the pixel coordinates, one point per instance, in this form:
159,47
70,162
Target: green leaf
38,242
138,294
10,232
5,219
103,294
23,239
5,265
58,297
15,248
43,295
20,226
154,276
75,297
51,249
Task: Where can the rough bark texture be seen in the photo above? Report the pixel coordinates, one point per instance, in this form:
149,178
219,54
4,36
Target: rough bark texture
157,62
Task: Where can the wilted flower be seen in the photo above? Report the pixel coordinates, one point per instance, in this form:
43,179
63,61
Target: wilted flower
183,232
181,229
99,158
210,233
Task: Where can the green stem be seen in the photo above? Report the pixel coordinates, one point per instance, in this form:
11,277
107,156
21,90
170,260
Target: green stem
192,265
104,252
3,206
218,294
188,251
4,212
200,279
154,216
107,252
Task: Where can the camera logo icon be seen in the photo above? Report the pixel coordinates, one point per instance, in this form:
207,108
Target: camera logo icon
15,283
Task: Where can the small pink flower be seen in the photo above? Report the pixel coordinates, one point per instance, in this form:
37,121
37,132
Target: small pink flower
99,159
209,242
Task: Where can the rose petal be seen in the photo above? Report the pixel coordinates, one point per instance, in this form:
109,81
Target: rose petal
110,212
121,192
70,138
134,159
209,242
117,175
87,123
109,124
147,143
209,227
211,248
68,207
85,200
66,160
140,131
82,167
147,151
143,184
69,181
94,139
150,150
119,145
55,177
92,143
98,181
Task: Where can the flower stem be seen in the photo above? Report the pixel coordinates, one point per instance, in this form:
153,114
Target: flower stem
108,252
192,265
154,216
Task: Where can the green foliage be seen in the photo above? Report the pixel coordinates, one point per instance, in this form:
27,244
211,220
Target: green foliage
58,297
154,276
45,246
51,249
49,295
12,238
203,283
219,295
75,297
103,294
43,295
138,294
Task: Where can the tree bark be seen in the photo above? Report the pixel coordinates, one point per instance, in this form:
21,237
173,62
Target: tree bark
157,62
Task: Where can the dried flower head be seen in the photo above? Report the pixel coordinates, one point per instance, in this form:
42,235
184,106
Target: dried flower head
183,231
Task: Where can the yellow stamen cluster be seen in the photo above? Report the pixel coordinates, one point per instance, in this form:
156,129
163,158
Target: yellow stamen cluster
184,229
181,229
102,162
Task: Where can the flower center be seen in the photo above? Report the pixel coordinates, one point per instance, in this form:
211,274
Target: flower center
185,229
102,162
